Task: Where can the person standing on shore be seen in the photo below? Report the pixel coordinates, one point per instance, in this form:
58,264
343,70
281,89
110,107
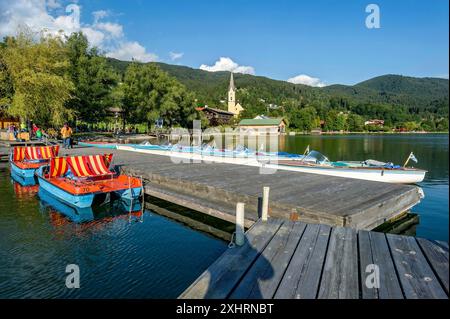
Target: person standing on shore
66,133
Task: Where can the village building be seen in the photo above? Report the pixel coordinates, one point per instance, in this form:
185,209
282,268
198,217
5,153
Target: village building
262,126
379,123
216,116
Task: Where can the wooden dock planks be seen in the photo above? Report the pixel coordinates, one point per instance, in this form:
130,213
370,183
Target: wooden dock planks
437,256
302,276
294,260
226,272
339,274
415,273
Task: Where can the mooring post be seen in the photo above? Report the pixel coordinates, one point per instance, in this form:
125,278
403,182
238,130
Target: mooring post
240,232
265,204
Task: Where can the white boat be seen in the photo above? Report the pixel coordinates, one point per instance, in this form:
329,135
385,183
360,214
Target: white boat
371,170
313,162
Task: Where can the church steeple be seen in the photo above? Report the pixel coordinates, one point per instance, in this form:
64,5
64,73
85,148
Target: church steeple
231,87
233,106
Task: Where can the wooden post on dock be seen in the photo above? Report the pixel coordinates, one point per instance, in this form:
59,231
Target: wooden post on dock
240,232
265,204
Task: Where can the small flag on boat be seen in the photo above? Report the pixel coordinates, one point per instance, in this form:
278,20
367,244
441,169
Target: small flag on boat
413,158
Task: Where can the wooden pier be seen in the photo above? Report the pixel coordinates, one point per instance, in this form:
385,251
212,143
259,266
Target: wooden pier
294,260
215,188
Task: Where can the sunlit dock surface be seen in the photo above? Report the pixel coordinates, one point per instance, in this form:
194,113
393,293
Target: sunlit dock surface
285,259
215,188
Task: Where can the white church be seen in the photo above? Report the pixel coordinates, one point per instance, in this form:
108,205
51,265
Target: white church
233,106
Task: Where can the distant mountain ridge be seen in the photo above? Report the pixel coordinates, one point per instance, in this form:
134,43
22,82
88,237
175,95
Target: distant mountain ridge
421,94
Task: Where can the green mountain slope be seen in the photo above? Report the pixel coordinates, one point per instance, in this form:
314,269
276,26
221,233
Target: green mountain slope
412,95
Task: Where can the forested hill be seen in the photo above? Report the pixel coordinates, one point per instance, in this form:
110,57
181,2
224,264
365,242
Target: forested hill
395,89
395,98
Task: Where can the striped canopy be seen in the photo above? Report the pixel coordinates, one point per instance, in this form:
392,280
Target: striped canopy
35,153
58,166
18,154
81,166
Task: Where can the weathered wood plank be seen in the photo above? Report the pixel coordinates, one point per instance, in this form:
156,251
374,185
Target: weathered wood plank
415,274
302,276
262,280
340,273
438,259
373,249
223,275
365,259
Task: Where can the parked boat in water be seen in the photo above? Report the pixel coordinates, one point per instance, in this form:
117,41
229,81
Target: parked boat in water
317,163
79,181
25,160
106,145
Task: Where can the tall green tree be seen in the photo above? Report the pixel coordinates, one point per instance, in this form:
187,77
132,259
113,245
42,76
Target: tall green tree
6,85
355,123
304,119
37,70
93,80
150,94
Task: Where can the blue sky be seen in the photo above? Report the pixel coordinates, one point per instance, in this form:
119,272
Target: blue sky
326,39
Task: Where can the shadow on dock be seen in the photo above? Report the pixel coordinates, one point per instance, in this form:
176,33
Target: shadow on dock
250,286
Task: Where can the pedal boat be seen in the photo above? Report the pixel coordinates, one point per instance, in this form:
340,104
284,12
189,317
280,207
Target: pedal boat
79,181
26,160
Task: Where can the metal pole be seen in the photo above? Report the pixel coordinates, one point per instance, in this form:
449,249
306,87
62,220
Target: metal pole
240,233
407,160
265,204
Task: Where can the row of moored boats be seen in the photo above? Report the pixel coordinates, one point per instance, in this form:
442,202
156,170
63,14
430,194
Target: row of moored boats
310,161
77,181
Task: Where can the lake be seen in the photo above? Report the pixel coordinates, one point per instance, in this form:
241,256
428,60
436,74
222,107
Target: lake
141,254
120,255
431,150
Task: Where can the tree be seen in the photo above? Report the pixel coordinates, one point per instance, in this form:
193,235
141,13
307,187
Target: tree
93,80
40,82
304,118
149,94
355,123
331,120
411,126
6,85
341,122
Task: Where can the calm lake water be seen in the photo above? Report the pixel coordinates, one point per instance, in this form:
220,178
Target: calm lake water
145,255
118,256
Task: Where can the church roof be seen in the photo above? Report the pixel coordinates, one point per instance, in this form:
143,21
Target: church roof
231,87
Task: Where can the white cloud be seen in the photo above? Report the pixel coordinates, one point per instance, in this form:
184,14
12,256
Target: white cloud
100,14
175,56
226,64
53,4
96,38
106,35
114,29
132,50
307,80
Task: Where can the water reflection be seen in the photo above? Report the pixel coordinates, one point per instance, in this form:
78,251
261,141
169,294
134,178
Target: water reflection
107,212
23,181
